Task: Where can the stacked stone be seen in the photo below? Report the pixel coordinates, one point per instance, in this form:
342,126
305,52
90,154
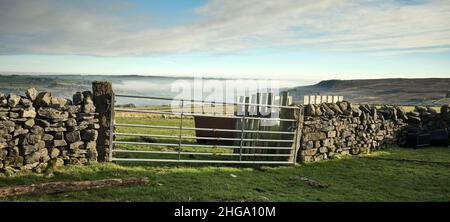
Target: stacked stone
445,117
342,128
82,133
40,129
445,114
425,118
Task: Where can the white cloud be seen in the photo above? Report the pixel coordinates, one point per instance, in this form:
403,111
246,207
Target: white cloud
50,27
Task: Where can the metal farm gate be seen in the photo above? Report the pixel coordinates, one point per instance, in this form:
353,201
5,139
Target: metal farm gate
190,134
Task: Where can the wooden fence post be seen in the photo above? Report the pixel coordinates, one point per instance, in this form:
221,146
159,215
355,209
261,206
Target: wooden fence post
103,96
298,115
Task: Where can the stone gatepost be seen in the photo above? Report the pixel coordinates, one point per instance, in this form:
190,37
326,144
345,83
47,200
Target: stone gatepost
103,100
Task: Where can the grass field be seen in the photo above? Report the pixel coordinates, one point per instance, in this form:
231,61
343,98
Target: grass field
369,178
348,179
187,122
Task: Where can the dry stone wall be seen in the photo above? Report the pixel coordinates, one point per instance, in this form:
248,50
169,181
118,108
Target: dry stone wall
427,118
343,128
39,130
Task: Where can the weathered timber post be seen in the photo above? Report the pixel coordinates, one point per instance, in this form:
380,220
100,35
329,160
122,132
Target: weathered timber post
103,96
299,116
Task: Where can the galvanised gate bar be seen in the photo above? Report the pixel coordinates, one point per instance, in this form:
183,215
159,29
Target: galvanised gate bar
251,143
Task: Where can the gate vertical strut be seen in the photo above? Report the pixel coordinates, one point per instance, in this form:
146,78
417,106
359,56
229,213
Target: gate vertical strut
181,129
242,137
111,129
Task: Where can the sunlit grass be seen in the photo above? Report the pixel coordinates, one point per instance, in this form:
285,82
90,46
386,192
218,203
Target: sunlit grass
349,179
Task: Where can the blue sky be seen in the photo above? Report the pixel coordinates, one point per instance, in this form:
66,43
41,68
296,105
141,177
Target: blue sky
290,39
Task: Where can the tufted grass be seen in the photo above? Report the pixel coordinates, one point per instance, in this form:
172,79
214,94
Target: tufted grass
349,179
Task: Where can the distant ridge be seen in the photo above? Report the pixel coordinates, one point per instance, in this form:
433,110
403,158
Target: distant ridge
381,91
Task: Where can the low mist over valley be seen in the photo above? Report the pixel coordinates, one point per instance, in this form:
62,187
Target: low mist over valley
375,91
